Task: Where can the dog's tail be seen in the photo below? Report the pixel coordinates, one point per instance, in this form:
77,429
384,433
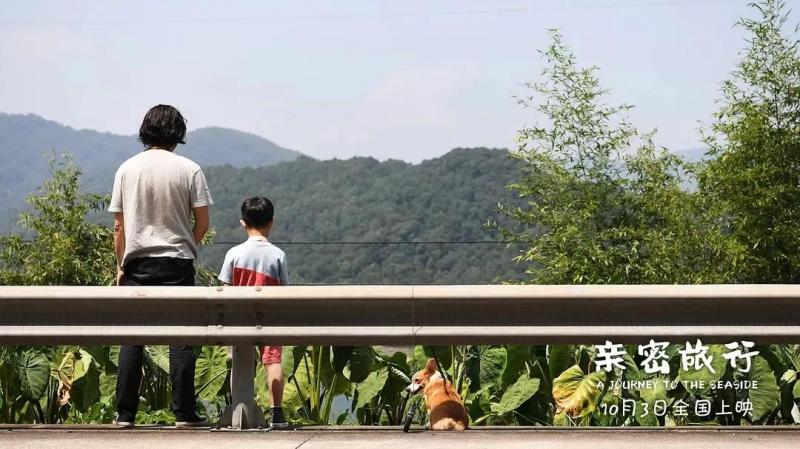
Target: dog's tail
449,424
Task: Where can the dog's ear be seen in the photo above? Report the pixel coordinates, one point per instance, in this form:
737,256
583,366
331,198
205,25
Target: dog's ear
431,366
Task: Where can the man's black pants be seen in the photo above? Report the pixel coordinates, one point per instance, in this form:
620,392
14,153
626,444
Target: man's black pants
157,271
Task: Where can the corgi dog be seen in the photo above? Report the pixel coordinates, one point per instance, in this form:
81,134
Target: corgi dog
445,407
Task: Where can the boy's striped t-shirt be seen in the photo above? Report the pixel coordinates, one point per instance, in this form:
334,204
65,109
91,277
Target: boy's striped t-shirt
256,262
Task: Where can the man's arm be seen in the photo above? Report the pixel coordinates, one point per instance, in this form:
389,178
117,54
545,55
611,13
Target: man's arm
200,223
119,243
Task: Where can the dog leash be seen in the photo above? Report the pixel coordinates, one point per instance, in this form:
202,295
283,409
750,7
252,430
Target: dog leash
441,371
412,412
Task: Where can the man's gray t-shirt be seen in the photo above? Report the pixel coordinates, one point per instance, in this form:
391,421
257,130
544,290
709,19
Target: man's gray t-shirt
156,191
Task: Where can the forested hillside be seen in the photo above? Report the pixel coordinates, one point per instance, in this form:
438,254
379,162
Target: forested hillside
361,199
28,141
444,200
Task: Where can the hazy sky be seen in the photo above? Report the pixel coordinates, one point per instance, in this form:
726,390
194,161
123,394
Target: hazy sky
392,79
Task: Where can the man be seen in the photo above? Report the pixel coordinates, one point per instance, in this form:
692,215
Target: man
160,203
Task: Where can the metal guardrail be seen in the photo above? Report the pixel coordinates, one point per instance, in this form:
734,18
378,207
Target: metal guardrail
391,315
397,315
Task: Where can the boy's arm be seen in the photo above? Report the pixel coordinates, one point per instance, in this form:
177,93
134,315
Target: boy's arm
119,243
226,272
284,271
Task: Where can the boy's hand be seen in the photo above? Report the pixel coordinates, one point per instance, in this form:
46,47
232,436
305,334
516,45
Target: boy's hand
120,276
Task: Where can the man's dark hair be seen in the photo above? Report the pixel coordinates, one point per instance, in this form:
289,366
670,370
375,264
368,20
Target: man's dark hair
257,212
163,126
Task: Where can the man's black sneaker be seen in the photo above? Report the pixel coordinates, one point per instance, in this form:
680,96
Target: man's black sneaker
124,423
194,421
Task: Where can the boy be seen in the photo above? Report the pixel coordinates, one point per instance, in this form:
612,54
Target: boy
257,262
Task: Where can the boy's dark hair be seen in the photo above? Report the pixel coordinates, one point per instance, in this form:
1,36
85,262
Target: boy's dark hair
163,126
257,212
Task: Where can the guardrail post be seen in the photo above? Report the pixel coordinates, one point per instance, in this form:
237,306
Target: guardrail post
243,413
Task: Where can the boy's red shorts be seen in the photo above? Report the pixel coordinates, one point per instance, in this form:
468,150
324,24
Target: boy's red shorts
271,354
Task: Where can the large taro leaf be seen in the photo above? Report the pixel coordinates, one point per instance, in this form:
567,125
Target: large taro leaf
577,393
100,354
84,363
656,392
398,379
371,387
766,396
159,356
341,356
522,390
360,364
646,420
559,358
561,419
479,406
418,358
113,358
261,388
291,359
699,381
63,372
485,365
443,353
33,371
86,390
516,358
298,385
65,368
69,371
211,371
108,386
796,390
341,385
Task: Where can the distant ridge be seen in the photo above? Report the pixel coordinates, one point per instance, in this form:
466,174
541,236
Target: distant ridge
27,141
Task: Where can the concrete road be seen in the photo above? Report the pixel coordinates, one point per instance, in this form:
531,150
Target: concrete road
319,438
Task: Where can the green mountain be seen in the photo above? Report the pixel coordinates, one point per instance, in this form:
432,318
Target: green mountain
28,141
439,201
448,199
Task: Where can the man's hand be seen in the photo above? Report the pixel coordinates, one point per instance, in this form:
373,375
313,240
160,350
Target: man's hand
120,276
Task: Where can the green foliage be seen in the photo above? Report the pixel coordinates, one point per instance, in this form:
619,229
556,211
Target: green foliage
33,371
371,387
211,372
517,394
577,393
449,198
65,248
767,395
754,143
705,376
603,204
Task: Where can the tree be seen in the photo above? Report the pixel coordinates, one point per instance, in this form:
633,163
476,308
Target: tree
752,179
65,248
603,203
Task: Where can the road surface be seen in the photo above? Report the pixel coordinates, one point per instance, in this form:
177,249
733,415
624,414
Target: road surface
98,437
